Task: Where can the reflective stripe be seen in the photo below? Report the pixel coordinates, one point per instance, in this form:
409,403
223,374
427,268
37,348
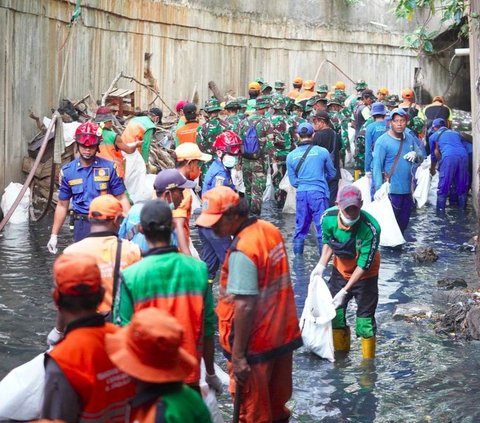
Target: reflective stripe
72,182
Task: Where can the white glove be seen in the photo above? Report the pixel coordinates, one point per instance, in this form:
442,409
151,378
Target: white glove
376,196
52,244
368,175
339,298
54,337
411,156
318,270
214,382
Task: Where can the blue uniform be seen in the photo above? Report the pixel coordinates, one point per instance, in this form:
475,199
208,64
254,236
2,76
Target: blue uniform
386,149
372,133
214,247
83,184
312,197
452,167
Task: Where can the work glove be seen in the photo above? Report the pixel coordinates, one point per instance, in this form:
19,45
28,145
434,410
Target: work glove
339,298
318,270
411,156
54,337
368,175
52,244
214,382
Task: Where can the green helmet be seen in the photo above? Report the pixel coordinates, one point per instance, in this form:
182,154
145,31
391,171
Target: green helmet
314,99
279,84
263,102
233,104
393,100
279,102
361,85
336,100
322,88
260,80
264,86
212,105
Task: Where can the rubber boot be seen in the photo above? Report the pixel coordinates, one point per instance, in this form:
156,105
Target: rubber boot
441,202
341,339
368,348
298,247
356,174
462,201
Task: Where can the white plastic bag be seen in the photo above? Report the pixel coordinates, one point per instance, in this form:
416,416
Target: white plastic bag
364,184
69,129
432,192
290,205
208,395
423,186
315,322
269,193
20,215
382,210
21,391
139,186
237,179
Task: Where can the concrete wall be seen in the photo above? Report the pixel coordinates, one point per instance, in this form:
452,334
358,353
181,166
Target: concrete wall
193,42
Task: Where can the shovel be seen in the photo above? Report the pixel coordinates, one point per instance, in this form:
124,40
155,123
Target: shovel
237,403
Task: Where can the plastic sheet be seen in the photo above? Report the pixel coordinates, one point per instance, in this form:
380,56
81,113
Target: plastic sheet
290,201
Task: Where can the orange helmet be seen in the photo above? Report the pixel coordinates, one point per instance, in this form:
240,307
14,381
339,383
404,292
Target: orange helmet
309,84
408,94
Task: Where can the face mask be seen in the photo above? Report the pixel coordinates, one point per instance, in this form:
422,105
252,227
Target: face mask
229,161
346,221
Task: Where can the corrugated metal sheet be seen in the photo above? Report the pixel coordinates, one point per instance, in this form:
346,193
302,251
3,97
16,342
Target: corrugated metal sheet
191,44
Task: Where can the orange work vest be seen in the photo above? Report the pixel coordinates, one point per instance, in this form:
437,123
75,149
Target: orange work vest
188,132
103,389
109,152
293,93
275,330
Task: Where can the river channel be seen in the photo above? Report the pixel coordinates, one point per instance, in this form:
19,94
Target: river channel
418,375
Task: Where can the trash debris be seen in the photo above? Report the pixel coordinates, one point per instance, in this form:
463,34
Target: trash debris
425,255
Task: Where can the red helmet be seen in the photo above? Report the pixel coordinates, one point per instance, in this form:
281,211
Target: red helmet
88,134
228,142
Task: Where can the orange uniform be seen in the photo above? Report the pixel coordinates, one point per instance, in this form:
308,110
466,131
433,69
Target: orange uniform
187,133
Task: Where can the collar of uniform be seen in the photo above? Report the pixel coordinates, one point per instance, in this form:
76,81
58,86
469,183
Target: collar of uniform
247,222
102,234
92,321
161,250
155,391
94,163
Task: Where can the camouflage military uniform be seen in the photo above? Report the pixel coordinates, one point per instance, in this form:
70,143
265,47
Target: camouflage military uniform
340,125
255,171
294,121
359,158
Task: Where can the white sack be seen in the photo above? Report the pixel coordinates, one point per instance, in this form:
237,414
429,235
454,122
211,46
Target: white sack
139,185
237,179
269,193
290,205
20,215
208,395
432,192
346,178
21,391
382,210
423,186
315,322
364,184
69,130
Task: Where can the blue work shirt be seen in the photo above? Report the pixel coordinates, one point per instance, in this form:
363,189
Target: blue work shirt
372,133
449,143
315,172
386,149
217,174
83,184
129,229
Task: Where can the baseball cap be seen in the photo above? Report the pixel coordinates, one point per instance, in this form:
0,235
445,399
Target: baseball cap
399,112
191,151
383,90
105,207
156,215
378,109
156,111
104,114
254,86
305,129
297,80
309,84
180,104
189,110
76,274
215,203
348,196
323,115
149,348
170,179
407,93
439,123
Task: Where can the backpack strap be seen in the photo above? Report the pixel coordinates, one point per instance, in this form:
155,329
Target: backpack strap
300,163
394,165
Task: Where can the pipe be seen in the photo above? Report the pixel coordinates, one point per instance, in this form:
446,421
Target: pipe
462,52
30,176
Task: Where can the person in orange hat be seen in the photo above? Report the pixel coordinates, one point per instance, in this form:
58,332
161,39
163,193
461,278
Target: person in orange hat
408,103
308,90
254,89
256,297
112,254
149,351
81,383
339,85
182,290
297,86
382,95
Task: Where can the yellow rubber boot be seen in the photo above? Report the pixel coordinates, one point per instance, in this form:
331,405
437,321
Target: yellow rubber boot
341,339
356,174
368,348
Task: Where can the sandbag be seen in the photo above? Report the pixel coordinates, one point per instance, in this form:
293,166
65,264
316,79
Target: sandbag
20,215
139,185
364,184
21,391
315,322
290,205
382,210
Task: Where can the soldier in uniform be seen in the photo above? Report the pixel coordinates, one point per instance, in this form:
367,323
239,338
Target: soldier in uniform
279,87
234,116
339,124
255,169
322,90
294,120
